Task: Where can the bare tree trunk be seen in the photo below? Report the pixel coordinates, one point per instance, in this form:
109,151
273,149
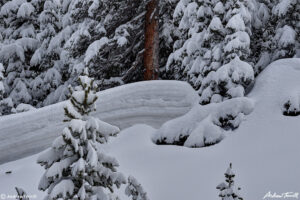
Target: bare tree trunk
151,54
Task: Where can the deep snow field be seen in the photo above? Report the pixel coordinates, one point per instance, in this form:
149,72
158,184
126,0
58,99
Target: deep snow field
264,151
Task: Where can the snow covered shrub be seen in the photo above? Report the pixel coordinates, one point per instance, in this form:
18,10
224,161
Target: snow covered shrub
228,191
204,125
291,106
205,134
76,167
135,190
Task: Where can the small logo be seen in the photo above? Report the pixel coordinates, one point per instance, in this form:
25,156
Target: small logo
286,195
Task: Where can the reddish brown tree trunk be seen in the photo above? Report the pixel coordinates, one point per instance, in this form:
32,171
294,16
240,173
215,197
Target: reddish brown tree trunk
151,54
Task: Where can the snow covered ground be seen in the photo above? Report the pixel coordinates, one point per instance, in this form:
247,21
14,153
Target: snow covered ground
264,151
151,103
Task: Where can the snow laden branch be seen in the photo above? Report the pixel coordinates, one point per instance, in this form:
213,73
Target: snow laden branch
135,190
204,125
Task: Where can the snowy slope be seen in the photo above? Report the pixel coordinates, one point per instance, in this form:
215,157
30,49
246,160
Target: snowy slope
264,151
151,103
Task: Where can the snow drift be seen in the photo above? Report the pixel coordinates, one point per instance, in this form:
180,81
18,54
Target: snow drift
151,103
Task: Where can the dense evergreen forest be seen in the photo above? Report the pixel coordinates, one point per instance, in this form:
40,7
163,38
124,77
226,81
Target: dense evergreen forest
218,46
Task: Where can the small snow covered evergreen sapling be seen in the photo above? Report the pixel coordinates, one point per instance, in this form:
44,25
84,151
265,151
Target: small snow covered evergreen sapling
135,190
227,190
76,168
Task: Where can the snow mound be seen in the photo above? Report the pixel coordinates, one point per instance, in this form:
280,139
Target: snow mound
279,84
22,107
149,102
204,125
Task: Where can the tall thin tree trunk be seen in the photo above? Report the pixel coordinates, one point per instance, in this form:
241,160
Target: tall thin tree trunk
151,54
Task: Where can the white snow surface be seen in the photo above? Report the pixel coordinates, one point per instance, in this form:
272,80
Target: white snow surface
152,103
264,151
22,107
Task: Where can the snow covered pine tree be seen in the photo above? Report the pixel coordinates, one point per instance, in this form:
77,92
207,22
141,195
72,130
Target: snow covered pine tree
19,17
227,190
287,30
135,190
107,37
44,61
213,47
75,166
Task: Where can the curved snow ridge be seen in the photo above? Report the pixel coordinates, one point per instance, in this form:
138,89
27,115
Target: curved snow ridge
277,82
148,102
